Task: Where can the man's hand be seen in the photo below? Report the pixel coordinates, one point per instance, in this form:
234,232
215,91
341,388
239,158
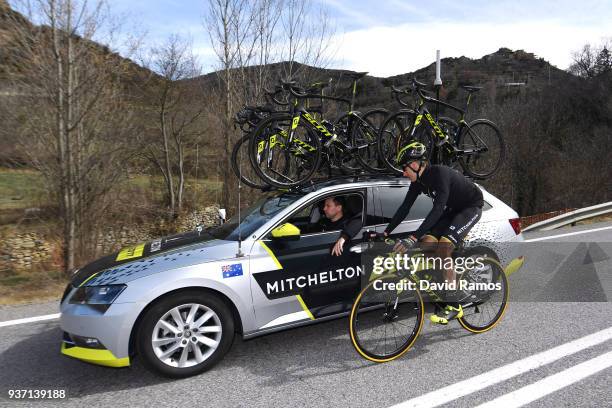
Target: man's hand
403,245
337,249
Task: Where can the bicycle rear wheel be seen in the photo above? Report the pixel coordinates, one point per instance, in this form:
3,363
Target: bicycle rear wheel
386,319
241,164
278,162
484,149
395,134
364,136
346,163
485,306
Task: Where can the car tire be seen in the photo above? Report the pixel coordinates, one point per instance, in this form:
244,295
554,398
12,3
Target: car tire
213,338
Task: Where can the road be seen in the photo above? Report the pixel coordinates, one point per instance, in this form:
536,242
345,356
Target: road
538,355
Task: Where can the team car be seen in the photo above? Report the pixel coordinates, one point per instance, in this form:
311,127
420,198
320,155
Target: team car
178,302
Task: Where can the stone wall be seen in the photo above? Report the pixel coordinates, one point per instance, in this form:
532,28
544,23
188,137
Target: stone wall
23,250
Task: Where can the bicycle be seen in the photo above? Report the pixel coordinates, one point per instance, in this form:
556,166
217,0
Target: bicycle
287,148
387,315
247,119
478,146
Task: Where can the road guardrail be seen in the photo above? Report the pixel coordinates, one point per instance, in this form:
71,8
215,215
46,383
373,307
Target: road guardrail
571,217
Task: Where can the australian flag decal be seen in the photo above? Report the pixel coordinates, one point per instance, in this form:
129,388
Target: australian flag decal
230,271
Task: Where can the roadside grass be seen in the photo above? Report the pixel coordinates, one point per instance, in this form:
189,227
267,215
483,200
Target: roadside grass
20,189
24,188
38,285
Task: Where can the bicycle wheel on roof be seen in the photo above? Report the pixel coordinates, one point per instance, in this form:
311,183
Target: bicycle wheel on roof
278,161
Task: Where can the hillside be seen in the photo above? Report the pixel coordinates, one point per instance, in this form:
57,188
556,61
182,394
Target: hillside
540,109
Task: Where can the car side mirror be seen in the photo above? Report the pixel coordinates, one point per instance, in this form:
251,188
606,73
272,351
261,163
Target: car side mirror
286,231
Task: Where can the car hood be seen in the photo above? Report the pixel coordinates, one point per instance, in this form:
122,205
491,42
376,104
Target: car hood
154,256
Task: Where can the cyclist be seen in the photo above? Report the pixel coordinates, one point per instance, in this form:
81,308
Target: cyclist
457,207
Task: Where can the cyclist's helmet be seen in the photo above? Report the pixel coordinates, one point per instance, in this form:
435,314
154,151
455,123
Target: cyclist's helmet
414,151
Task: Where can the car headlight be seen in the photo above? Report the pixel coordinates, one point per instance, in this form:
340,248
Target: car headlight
97,295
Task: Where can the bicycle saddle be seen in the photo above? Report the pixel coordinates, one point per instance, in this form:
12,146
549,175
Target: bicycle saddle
417,83
317,86
356,75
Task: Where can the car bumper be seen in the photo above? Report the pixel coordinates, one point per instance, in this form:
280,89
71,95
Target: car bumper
112,330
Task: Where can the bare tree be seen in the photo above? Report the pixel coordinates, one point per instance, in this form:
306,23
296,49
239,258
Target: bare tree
591,60
305,37
248,36
230,28
177,117
75,115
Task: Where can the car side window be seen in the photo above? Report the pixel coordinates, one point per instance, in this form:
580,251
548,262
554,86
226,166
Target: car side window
311,219
392,197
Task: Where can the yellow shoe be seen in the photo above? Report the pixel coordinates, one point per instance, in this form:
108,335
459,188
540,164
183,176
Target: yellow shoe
449,313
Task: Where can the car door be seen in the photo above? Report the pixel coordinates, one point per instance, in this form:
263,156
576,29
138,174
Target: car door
309,282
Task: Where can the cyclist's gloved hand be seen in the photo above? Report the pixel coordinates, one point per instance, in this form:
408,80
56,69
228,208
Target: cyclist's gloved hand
403,245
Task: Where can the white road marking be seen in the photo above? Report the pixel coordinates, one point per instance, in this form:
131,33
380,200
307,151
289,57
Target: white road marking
484,380
29,320
551,384
568,234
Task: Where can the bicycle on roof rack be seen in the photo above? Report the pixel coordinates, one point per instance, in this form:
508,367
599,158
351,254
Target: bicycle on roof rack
477,147
288,148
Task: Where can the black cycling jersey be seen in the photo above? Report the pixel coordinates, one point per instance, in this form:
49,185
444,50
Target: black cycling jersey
447,187
350,226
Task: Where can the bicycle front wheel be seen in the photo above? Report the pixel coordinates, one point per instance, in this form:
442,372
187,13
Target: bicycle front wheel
241,164
482,149
386,318
278,161
395,134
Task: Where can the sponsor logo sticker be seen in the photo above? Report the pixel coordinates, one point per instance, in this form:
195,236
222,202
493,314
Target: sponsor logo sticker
155,245
130,252
230,271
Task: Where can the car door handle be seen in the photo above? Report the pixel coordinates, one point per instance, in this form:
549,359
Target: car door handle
357,249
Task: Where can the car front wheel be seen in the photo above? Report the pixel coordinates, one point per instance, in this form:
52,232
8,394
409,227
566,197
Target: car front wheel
185,334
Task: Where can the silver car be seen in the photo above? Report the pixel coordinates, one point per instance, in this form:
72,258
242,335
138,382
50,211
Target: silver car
178,302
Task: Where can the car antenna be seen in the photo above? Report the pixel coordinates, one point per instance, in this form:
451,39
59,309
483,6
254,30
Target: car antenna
239,254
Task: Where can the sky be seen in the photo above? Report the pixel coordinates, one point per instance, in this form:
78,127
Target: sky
391,37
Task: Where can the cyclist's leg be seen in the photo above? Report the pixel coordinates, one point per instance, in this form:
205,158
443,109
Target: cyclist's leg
460,225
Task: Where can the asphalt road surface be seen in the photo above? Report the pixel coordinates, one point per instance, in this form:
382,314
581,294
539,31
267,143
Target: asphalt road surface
552,349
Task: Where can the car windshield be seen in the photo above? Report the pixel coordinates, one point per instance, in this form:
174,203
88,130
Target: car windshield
254,217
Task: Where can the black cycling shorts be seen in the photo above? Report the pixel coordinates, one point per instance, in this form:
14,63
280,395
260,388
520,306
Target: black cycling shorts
455,225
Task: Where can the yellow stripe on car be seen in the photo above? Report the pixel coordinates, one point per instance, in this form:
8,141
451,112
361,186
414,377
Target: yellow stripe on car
299,298
269,251
95,356
88,279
